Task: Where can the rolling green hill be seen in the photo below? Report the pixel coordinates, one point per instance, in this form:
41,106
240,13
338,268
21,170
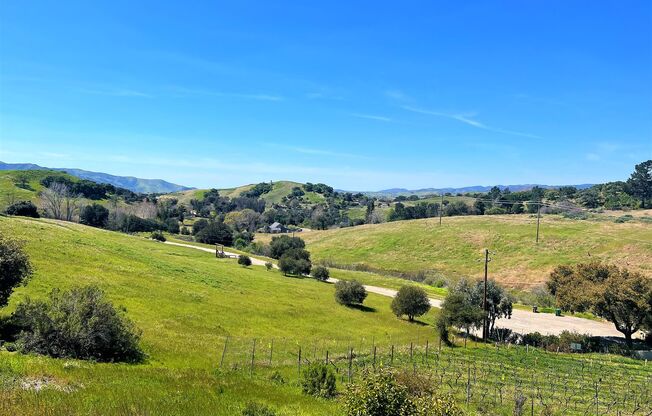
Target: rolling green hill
185,302
279,190
456,248
11,191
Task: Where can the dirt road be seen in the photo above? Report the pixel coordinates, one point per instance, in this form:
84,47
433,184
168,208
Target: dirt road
521,321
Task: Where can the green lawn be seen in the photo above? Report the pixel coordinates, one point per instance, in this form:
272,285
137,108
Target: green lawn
456,248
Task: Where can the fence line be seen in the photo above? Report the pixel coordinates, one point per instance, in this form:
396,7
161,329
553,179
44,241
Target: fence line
499,376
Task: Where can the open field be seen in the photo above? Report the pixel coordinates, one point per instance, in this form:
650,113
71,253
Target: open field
185,303
456,248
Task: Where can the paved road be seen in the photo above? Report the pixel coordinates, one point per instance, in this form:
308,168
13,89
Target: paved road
521,321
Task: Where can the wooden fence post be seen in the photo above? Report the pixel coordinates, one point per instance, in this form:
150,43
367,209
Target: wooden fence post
226,342
253,356
350,363
299,366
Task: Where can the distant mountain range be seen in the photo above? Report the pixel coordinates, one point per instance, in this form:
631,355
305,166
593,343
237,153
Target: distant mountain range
478,188
158,186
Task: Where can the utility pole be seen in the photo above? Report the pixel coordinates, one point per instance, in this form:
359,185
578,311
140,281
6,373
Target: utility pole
441,208
538,218
484,297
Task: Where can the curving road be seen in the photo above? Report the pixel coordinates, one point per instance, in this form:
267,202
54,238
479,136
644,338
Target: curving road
521,321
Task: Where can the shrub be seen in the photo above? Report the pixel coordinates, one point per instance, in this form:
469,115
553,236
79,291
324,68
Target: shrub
411,301
185,230
318,380
94,215
244,260
349,292
321,273
295,261
216,232
158,236
382,393
496,211
377,394
15,267
280,245
80,323
198,226
172,225
23,209
257,409
240,244
269,266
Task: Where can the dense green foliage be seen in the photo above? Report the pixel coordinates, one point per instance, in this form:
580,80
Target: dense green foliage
94,215
383,393
412,301
216,232
79,323
23,209
320,273
349,292
295,261
640,183
158,236
618,295
244,260
15,267
257,409
318,380
279,245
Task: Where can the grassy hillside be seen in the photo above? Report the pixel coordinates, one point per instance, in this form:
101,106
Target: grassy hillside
456,248
280,189
186,302
10,191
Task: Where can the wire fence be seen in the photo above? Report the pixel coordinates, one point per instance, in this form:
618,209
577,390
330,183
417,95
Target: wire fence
503,378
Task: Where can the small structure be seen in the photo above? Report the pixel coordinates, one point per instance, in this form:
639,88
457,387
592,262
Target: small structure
277,228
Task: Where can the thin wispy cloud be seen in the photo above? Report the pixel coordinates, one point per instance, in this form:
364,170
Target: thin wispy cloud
319,152
594,157
372,117
398,95
210,93
116,92
466,119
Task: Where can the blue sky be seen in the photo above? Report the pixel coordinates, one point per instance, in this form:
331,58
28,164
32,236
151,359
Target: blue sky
359,95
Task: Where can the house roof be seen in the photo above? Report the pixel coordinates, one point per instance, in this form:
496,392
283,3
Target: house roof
276,225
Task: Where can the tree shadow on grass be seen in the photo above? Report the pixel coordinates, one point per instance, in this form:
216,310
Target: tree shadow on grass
417,322
362,308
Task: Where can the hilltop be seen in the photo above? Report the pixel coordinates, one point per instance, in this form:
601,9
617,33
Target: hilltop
131,183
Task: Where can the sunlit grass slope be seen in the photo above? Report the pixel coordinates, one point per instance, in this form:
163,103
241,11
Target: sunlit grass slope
185,302
456,247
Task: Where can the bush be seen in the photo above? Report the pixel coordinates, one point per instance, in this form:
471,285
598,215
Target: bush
158,236
185,231
295,261
216,232
318,380
382,393
15,267
172,225
496,211
80,323
244,260
321,273
198,226
411,301
94,215
256,409
280,245
23,209
240,244
377,394
269,266
349,292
